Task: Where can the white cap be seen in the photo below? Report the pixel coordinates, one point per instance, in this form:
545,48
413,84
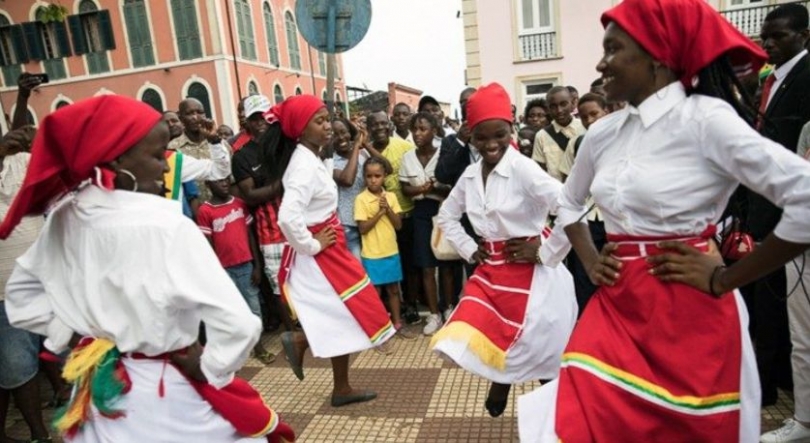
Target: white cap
256,103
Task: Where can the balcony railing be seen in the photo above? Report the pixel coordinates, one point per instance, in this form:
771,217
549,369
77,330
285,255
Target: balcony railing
749,20
538,46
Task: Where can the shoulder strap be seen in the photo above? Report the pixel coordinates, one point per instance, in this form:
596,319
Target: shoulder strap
577,142
558,137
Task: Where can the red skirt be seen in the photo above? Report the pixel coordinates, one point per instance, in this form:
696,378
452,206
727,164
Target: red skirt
652,361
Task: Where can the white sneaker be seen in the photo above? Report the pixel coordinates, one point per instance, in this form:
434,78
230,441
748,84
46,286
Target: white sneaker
791,431
448,312
433,323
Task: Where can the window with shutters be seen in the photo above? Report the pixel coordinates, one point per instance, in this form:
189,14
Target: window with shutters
244,23
138,35
186,30
48,42
278,94
322,63
298,91
12,51
253,88
292,41
270,32
152,98
61,104
89,30
200,92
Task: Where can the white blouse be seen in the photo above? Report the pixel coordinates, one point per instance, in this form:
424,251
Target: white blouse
669,167
310,197
517,201
130,268
413,173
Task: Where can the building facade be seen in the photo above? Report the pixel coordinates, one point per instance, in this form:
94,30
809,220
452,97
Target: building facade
532,45
160,51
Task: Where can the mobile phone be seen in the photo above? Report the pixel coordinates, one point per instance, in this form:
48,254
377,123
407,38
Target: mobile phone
43,78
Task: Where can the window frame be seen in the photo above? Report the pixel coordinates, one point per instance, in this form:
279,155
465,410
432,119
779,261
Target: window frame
270,35
245,31
535,29
293,48
146,56
188,41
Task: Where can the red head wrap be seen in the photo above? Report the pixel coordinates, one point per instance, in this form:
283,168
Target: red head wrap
294,114
490,102
70,143
685,35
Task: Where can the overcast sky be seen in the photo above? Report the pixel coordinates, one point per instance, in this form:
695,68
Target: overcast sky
417,43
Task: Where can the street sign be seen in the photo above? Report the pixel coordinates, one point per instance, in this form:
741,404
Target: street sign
333,26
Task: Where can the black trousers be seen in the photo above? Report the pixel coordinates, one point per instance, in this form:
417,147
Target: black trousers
772,335
582,283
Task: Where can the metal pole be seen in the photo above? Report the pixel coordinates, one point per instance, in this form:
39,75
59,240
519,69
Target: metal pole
331,30
233,50
311,69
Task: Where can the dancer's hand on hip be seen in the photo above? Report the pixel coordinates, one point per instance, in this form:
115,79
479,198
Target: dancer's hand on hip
605,270
687,264
188,361
521,251
326,237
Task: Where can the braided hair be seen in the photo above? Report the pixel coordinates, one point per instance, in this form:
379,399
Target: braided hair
719,80
275,151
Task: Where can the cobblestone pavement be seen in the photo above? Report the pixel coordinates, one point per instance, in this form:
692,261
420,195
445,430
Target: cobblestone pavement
421,399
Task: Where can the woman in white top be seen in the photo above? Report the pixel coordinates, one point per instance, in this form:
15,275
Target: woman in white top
518,308
120,265
417,176
662,351
326,286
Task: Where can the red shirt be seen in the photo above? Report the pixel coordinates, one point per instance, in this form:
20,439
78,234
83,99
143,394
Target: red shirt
227,225
267,223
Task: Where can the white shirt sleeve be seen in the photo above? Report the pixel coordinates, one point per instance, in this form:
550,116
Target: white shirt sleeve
763,166
449,220
542,190
804,141
195,280
217,168
298,192
29,308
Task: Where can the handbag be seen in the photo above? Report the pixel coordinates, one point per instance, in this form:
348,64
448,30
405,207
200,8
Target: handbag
735,242
442,248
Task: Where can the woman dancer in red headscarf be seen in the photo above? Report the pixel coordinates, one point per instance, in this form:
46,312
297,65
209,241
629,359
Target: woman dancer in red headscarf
518,309
119,265
662,352
324,284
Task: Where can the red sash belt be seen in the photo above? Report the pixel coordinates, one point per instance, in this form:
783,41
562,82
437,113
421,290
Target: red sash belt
349,280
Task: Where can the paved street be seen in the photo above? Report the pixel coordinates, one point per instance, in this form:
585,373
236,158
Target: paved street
422,399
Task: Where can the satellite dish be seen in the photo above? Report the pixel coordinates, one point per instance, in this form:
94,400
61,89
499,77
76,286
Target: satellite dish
333,26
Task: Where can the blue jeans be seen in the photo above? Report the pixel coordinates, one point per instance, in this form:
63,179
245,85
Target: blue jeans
19,353
352,239
240,274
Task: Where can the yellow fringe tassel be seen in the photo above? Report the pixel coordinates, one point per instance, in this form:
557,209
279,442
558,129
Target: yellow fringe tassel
77,410
490,354
78,370
83,360
288,299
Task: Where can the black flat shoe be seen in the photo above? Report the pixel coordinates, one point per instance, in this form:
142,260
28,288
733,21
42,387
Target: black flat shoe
292,357
495,408
343,400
